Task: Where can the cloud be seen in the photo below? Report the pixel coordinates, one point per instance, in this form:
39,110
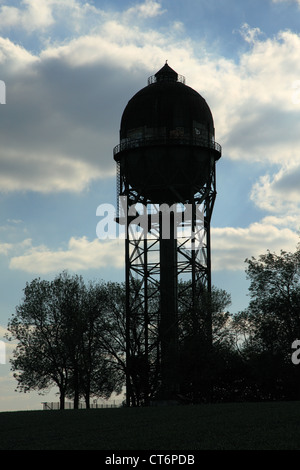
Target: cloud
148,9
15,58
40,15
59,125
287,1
258,115
231,246
255,99
279,193
7,249
250,35
46,173
36,15
3,332
81,254
64,102
69,18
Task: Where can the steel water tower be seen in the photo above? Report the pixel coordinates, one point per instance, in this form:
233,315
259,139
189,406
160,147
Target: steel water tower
166,188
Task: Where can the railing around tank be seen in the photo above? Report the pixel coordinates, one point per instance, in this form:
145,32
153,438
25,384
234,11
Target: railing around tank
151,141
167,78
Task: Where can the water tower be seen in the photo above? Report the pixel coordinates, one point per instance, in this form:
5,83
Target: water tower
166,190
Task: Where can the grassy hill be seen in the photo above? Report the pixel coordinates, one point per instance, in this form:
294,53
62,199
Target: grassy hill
266,426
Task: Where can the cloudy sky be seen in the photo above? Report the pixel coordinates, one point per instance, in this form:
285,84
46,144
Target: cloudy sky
71,66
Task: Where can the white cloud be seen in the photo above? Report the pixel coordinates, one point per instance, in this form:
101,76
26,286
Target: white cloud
286,1
40,15
37,14
81,254
67,102
63,127
7,249
255,101
250,34
279,193
148,9
283,220
3,332
231,246
14,58
46,173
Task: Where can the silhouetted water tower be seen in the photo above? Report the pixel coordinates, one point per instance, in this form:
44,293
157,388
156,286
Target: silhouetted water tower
166,184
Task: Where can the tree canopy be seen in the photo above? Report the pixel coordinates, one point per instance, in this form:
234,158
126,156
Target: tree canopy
58,327
72,335
270,325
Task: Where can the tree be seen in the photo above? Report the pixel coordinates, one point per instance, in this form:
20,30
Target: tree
195,357
57,327
205,338
99,375
274,309
73,336
271,323
40,357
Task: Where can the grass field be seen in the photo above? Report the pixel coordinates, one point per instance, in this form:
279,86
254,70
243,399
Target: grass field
254,426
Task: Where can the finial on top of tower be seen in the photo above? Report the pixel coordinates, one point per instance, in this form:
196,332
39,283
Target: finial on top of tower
166,74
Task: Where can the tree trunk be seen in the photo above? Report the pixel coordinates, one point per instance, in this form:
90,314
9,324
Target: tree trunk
62,399
76,399
87,401
76,388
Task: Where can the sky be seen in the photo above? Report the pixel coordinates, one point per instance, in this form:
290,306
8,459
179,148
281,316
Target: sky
69,69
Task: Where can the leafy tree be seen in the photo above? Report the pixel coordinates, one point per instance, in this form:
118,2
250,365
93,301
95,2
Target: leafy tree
40,358
194,328
274,309
99,375
270,324
205,338
73,336
141,374
57,327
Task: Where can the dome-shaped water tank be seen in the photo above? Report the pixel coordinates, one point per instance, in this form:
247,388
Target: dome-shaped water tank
167,144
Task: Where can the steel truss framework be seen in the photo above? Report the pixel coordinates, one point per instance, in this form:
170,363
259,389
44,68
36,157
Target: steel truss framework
144,241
